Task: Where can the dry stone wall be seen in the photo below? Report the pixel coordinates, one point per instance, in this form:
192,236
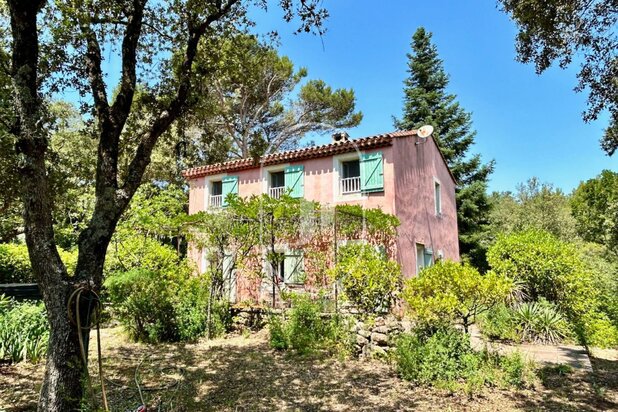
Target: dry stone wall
376,337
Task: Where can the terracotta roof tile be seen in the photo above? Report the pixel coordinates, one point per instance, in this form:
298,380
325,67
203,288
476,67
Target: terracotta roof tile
330,149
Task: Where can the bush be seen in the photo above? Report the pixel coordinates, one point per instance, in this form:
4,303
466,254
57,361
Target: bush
157,306
446,359
306,329
540,322
139,252
24,331
550,269
499,323
439,357
449,291
15,263
555,271
369,278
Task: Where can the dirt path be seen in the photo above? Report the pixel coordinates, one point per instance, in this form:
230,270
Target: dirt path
573,355
244,374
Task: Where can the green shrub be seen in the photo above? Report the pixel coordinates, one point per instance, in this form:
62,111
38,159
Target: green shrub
454,292
598,330
446,359
498,323
439,357
15,263
278,333
554,270
305,329
540,322
517,370
140,252
551,269
24,331
157,306
305,326
369,279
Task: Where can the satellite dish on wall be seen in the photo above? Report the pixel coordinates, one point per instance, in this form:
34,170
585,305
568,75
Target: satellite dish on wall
424,131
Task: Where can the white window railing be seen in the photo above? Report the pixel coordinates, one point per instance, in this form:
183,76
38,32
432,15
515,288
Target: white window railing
350,185
216,200
276,192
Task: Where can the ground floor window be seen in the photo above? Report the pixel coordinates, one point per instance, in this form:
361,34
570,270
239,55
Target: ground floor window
424,257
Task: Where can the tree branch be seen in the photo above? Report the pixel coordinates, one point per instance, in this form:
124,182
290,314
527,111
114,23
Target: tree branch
122,105
142,155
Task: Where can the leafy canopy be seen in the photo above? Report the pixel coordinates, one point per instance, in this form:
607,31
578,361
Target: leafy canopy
595,208
567,30
370,280
449,292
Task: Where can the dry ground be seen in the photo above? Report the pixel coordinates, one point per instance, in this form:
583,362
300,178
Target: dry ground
244,374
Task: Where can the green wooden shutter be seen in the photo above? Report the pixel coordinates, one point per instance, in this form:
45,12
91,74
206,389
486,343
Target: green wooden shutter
372,172
428,255
293,266
295,180
229,184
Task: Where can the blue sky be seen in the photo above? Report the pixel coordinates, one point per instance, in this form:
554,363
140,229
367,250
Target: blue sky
531,125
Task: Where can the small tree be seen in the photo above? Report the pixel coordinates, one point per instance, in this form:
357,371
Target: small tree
369,279
450,291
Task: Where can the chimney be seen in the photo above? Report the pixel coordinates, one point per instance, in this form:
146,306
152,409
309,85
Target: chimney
340,137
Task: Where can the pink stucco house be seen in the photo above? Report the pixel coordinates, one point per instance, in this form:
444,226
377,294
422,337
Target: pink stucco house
399,172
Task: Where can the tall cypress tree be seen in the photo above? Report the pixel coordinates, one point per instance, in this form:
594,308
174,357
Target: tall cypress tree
427,101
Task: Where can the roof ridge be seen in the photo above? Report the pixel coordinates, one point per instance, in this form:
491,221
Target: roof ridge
326,149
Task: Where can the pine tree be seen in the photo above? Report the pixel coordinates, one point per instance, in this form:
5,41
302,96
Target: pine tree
427,101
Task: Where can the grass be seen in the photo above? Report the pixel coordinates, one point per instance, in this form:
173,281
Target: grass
243,373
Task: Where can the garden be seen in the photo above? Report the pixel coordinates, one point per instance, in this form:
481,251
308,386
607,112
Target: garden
356,334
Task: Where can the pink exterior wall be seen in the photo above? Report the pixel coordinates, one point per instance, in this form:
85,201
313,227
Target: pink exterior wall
409,174
417,167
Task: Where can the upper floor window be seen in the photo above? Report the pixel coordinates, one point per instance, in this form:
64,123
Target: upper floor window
438,197
350,177
290,180
277,184
216,194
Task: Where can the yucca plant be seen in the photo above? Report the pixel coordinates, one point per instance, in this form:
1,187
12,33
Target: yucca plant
541,322
526,315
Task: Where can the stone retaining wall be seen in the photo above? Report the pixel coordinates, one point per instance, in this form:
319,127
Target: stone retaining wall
375,338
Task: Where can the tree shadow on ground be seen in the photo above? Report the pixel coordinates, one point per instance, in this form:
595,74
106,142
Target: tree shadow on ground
564,389
245,374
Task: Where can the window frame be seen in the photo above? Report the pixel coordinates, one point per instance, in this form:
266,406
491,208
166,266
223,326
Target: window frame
437,196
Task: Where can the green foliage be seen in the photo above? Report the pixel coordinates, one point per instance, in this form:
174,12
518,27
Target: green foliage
24,331
564,31
549,267
534,206
140,252
427,101
439,357
540,322
15,263
499,323
595,208
446,359
163,305
449,292
156,211
306,329
553,270
353,220
255,103
369,279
